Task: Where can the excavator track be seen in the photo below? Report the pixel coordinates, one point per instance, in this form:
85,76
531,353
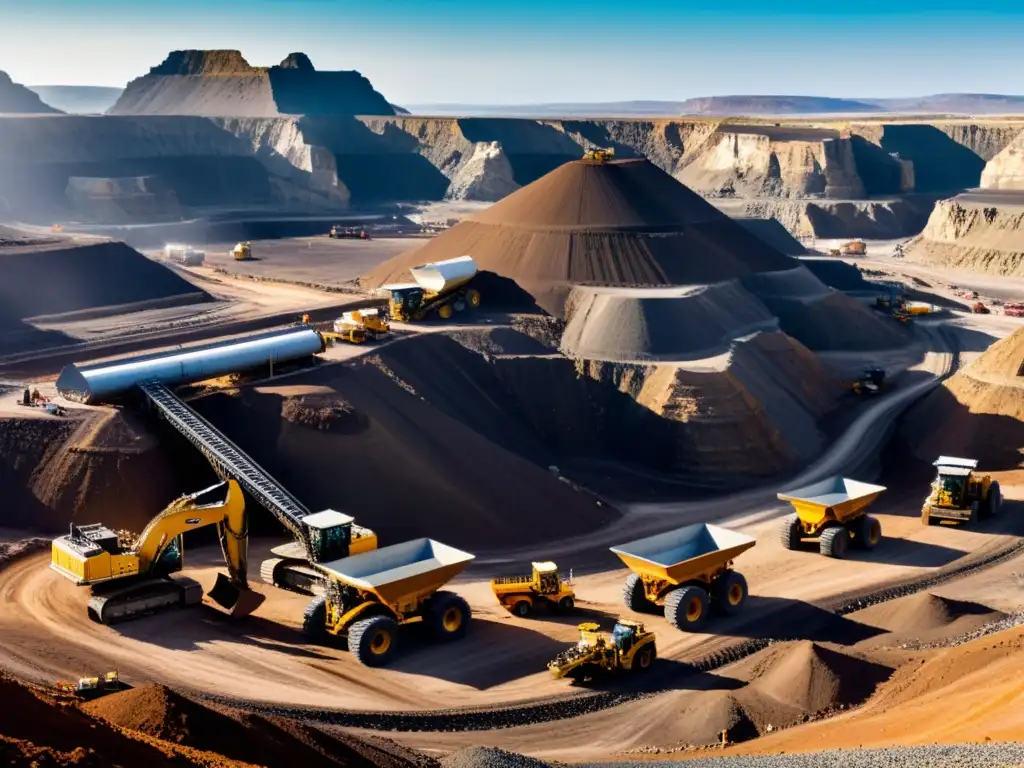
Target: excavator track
144,597
293,575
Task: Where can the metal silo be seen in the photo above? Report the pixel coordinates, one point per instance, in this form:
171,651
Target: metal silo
108,380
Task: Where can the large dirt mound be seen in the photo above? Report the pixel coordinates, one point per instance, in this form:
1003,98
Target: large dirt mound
69,276
419,456
978,412
16,99
166,715
624,223
772,232
815,678
926,613
223,83
660,323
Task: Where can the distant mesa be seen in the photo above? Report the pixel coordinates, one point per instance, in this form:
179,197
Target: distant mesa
17,99
78,99
221,83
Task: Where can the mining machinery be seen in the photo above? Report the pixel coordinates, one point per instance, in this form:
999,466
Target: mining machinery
131,579
599,156
242,251
545,586
631,648
960,493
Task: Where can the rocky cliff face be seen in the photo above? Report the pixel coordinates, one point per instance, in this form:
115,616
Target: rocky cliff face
977,236
17,99
224,84
1006,169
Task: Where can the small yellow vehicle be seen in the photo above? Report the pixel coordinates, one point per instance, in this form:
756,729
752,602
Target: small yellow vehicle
959,493
685,572
631,648
90,687
370,595
519,594
833,510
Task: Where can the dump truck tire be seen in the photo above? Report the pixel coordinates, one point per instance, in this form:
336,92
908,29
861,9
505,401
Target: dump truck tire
472,298
868,533
686,608
374,641
994,500
644,658
521,608
314,619
445,311
448,616
731,593
790,532
834,541
633,595
566,604
975,512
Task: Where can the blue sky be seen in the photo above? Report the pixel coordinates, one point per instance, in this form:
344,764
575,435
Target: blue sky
529,51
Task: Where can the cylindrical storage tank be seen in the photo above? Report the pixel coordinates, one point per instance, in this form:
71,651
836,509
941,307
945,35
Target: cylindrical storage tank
443,276
183,366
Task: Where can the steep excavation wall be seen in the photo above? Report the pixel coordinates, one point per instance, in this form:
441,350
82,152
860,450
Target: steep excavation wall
975,232
978,412
224,84
881,219
1006,169
764,161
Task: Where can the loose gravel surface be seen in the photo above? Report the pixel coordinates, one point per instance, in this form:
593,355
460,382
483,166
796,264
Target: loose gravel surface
961,755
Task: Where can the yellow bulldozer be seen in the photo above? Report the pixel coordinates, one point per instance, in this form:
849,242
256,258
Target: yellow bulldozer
131,579
370,595
519,594
959,493
89,687
631,648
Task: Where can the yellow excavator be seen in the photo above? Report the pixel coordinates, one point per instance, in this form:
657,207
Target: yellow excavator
131,579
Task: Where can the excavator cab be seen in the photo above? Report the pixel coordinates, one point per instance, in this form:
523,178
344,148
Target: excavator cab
330,535
623,636
405,302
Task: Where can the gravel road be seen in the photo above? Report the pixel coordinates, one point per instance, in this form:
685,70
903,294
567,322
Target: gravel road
959,756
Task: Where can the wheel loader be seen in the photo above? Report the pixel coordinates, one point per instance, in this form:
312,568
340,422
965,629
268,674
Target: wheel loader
960,494
599,156
370,595
519,594
685,572
631,648
140,578
832,510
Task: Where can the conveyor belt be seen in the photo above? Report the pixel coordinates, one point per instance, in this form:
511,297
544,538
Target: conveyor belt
228,459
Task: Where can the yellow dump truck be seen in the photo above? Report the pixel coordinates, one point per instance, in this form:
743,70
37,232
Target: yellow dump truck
519,594
441,288
686,572
631,648
370,595
959,493
242,251
854,248
833,511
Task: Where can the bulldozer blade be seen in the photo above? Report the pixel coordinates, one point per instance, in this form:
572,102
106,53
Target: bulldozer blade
237,601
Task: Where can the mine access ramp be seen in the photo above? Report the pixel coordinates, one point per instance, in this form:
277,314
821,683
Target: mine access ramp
228,459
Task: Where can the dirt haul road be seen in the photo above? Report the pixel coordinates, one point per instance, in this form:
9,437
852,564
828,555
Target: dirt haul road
265,658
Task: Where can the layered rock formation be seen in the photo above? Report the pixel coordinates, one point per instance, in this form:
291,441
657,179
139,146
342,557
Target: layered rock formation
982,233
1006,169
224,84
17,99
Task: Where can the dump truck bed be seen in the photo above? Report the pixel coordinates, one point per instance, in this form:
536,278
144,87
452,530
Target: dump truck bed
444,276
399,570
846,498
684,553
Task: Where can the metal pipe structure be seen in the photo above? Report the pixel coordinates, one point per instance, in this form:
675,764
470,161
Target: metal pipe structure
109,380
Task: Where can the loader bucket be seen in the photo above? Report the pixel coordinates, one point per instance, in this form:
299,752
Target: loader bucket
235,600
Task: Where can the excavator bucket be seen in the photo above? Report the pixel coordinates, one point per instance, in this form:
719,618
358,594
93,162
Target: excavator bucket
235,600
